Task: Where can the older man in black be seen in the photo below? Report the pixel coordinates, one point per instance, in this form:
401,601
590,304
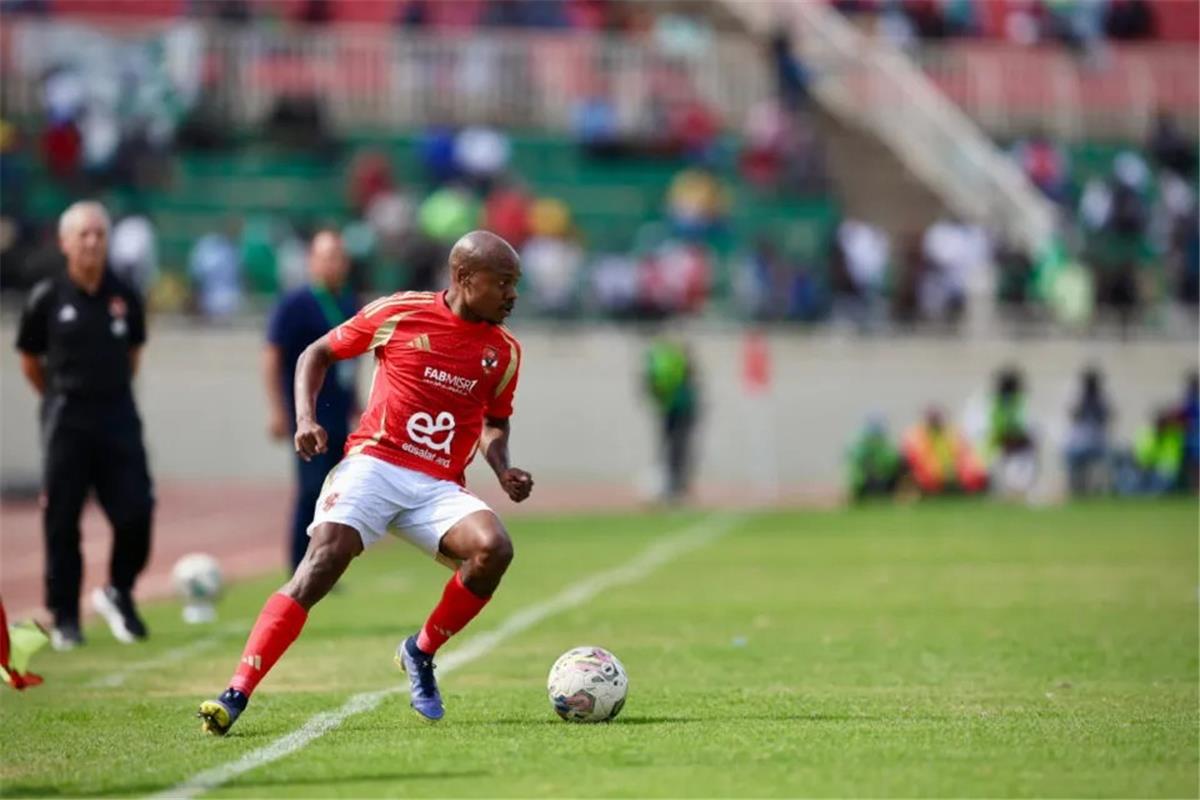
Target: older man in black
80,338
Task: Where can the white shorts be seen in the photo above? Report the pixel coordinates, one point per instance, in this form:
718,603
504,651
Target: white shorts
377,498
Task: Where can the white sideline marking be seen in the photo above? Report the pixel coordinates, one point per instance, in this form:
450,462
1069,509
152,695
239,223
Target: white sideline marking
172,656
317,726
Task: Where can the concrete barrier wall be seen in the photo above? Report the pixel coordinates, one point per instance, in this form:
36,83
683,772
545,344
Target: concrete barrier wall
581,419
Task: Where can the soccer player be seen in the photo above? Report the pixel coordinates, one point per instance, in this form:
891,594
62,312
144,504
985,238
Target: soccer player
445,374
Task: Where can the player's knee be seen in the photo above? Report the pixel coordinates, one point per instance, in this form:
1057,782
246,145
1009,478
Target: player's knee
330,550
334,545
496,550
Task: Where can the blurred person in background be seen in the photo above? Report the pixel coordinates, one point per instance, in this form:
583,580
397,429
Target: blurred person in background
215,270
940,460
481,155
860,266
133,252
1088,452
552,259
952,251
1171,148
1044,162
874,465
1189,412
670,382
1155,465
1010,446
301,317
697,204
80,338
370,177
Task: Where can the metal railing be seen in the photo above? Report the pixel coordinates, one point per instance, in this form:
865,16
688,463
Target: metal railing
871,83
378,77
1113,93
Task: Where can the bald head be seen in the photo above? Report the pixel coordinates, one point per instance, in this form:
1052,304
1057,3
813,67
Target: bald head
83,237
481,250
484,271
327,261
83,212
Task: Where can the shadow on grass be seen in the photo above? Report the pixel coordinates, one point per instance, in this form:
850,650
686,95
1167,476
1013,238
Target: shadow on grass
717,720
17,789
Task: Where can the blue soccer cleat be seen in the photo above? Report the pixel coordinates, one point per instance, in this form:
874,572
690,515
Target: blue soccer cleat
423,688
219,715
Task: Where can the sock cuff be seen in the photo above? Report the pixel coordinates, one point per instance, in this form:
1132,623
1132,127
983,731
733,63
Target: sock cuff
283,606
458,581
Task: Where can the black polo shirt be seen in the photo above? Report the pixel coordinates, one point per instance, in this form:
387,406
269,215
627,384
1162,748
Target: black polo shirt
85,338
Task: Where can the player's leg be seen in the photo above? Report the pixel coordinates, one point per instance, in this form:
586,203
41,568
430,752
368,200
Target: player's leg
331,548
65,483
310,478
352,512
479,541
123,487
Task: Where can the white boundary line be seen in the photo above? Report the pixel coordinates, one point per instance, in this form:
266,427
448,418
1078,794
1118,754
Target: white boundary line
647,561
114,679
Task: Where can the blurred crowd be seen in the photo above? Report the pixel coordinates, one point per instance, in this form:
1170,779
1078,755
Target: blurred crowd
1079,24
1132,222
998,448
460,15
118,123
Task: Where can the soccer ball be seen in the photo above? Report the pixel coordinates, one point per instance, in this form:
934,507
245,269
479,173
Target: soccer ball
587,684
197,578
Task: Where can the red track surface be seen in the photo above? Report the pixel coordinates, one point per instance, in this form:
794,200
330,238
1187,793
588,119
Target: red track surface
244,526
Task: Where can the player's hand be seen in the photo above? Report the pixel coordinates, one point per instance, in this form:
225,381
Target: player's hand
311,439
277,428
517,483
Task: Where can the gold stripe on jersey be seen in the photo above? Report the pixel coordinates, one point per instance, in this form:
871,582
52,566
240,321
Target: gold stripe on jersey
421,343
384,332
375,438
513,361
401,299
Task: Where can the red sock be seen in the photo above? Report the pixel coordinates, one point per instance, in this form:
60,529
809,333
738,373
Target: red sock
4,645
458,606
278,625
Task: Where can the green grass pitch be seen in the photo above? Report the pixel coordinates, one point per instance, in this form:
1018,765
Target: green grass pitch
951,650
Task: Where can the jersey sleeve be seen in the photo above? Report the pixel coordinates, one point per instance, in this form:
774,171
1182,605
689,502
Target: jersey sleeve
501,404
366,330
33,331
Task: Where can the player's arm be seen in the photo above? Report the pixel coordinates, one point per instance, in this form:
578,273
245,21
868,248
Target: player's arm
35,371
352,338
272,367
137,332
314,362
32,335
517,483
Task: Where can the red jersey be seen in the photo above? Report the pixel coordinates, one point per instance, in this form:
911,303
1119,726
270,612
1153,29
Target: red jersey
436,377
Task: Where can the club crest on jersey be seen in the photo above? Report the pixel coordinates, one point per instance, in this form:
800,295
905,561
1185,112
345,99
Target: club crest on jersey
117,308
490,360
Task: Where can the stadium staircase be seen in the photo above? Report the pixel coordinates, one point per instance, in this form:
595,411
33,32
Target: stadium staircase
900,149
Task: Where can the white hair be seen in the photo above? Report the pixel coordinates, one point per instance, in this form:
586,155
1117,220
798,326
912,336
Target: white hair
69,217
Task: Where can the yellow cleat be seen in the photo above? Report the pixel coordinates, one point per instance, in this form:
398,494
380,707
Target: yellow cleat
217,718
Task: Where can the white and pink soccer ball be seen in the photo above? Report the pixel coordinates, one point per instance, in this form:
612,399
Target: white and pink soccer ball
587,684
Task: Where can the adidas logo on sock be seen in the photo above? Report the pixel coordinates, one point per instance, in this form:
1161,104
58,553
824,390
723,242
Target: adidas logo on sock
254,661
